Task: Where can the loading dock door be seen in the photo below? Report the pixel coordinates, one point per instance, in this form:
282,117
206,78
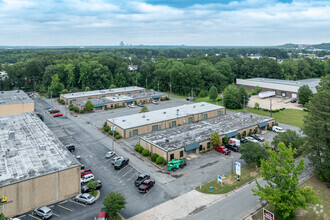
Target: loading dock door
294,95
283,94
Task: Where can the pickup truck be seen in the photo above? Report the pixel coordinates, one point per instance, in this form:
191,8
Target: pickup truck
146,185
223,149
85,172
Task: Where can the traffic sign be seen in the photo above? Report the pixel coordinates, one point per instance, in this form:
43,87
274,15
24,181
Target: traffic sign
267,215
238,168
219,179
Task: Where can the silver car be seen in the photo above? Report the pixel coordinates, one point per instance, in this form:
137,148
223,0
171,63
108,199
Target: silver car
251,139
43,211
84,198
115,159
110,154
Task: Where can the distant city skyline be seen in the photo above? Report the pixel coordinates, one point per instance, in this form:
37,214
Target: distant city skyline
163,22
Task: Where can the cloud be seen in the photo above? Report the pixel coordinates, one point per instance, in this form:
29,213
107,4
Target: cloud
101,22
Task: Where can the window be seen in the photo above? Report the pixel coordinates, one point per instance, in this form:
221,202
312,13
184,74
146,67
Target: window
130,134
170,124
173,123
205,116
111,106
159,127
190,120
171,156
208,145
155,128
219,113
135,132
200,147
181,153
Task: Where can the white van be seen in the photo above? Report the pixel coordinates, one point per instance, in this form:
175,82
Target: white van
234,142
86,178
278,129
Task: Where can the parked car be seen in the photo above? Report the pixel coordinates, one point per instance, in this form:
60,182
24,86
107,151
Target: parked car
85,172
121,163
223,149
155,102
103,215
51,109
110,154
234,141
232,147
140,104
278,129
141,178
84,198
115,159
70,147
258,137
86,189
243,140
86,178
54,111
82,166
146,185
251,139
43,211
58,115
131,105
293,100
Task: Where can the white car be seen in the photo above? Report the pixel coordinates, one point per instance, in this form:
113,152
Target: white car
84,198
86,178
251,139
131,105
110,154
278,129
155,102
115,159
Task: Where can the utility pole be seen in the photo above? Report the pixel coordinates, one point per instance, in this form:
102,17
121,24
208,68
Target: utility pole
146,83
113,129
192,94
244,103
158,85
170,88
270,106
136,81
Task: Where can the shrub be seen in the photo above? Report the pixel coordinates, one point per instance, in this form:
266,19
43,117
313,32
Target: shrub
105,124
203,93
106,128
145,152
269,128
167,98
219,99
137,147
257,89
255,131
276,124
110,132
71,108
153,157
256,105
253,92
82,111
225,140
140,149
159,160
116,133
118,136
266,110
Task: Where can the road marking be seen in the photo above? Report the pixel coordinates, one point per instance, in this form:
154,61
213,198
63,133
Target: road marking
127,172
64,207
34,217
132,177
122,169
56,214
77,203
150,190
65,201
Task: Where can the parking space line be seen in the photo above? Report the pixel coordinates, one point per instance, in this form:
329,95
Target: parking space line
77,203
64,208
132,176
34,217
127,172
150,190
56,214
122,169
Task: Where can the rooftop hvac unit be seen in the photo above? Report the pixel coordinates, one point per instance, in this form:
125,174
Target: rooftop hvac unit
143,116
164,112
42,147
11,152
11,135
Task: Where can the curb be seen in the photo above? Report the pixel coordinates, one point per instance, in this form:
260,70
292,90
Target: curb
97,195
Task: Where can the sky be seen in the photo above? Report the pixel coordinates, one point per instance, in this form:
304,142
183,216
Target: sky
163,22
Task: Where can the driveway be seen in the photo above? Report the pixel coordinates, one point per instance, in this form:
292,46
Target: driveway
277,103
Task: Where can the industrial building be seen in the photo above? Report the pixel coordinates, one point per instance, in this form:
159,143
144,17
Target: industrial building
14,102
36,169
142,123
97,94
284,88
116,101
181,141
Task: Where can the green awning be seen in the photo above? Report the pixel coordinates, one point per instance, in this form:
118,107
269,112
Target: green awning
129,101
156,97
262,124
191,146
232,134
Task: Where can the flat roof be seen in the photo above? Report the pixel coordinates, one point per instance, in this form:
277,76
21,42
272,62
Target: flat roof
128,98
101,92
28,149
312,82
178,137
14,97
141,119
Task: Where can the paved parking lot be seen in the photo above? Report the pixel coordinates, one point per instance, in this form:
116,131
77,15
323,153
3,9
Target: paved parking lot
277,103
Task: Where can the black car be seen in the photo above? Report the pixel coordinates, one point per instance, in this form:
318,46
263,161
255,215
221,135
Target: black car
293,100
121,163
232,147
86,189
70,147
243,140
141,178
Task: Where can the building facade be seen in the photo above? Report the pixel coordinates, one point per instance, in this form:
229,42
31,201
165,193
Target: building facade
15,102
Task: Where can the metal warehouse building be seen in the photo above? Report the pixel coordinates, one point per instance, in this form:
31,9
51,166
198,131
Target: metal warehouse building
190,139
36,169
96,94
284,88
137,124
14,102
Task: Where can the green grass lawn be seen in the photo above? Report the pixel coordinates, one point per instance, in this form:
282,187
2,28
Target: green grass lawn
230,181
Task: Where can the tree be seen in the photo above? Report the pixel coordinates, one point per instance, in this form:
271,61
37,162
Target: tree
114,202
87,88
2,217
64,91
89,106
215,138
231,98
316,128
243,96
256,105
304,94
56,86
253,153
324,82
112,86
144,109
282,185
92,185
257,89
289,138
213,94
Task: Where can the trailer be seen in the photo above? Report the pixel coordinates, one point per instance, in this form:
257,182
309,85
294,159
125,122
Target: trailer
267,94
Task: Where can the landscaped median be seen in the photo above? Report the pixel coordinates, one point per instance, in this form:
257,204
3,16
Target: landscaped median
229,182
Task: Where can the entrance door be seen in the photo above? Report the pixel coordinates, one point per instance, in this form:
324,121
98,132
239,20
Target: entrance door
173,123
171,156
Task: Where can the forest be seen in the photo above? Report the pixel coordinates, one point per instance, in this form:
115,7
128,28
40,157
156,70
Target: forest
179,69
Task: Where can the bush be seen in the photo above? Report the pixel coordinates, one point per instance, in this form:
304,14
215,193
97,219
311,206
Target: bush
256,105
105,124
140,149
266,110
137,147
82,111
145,152
106,128
71,108
276,124
225,140
110,132
116,133
253,92
269,128
159,160
255,131
167,98
118,136
219,99
203,94
153,157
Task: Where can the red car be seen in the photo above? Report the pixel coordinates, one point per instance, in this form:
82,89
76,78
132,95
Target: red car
58,115
85,172
146,185
103,215
223,149
54,111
